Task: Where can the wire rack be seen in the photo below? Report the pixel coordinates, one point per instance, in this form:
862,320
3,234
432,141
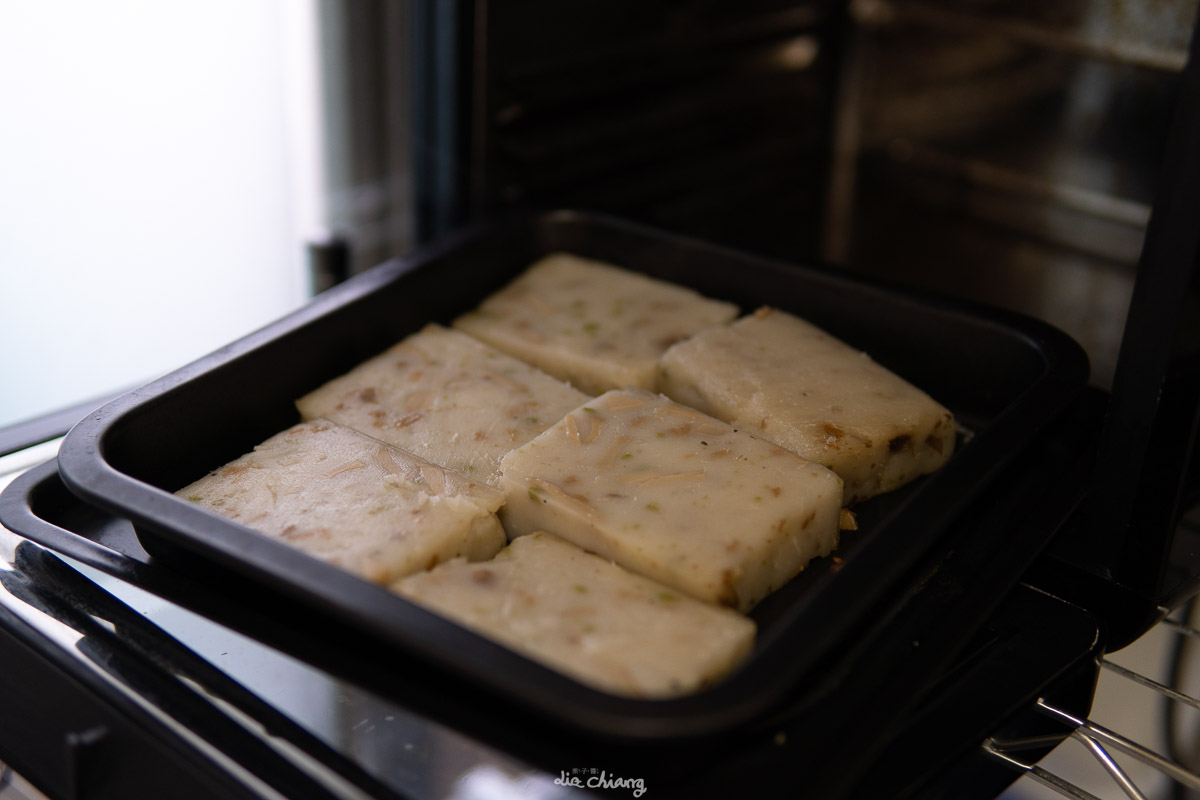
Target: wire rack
1173,775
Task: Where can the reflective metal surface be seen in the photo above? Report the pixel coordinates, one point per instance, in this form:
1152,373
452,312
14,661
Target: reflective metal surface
14,787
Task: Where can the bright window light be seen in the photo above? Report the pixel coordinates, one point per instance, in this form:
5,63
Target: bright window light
159,179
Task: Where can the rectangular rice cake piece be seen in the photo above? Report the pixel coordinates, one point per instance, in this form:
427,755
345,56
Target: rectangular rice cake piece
354,502
447,398
782,378
588,618
596,325
675,495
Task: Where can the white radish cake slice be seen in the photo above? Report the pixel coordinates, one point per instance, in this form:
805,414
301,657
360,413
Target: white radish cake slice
588,618
675,495
447,398
354,502
594,324
781,378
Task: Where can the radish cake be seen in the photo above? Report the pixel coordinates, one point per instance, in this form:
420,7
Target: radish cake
588,618
783,379
447,398
354,502
675,495
596,325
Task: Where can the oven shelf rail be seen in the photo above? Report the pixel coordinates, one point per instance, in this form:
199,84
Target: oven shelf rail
1099,740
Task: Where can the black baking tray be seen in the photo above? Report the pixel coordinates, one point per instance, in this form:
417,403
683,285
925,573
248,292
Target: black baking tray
1005,376
909,712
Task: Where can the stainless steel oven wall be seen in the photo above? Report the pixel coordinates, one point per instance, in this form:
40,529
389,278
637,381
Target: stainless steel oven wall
1007,151
710,119
372,151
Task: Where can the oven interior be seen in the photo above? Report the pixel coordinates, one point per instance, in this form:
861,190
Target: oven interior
1041,158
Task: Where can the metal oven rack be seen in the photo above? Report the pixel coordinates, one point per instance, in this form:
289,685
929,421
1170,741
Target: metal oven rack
1166,775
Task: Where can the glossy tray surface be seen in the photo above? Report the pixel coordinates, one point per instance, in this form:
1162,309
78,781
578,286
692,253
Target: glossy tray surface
1006,378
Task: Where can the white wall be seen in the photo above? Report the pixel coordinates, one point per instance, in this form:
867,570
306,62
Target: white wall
158,180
